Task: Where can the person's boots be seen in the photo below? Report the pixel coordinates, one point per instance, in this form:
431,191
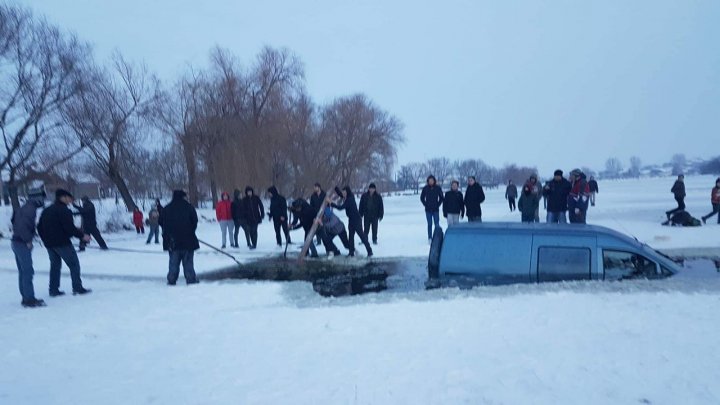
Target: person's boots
82,291
33,303
57,293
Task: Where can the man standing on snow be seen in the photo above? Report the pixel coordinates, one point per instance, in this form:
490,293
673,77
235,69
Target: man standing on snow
89,223
557,191
474,196
223,213
453,205
678,190
372,211
23,222
278,214
578,197
238,217
316,201
715,201
431,198
56,228
253,212
511,193
179,222
593,184
354,221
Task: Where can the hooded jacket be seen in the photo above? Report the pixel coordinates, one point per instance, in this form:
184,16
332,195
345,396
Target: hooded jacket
236,208
348,204
474,196
179,221
252,207
371,206
528,204
87,213
56,227
278,204
431,197
223,209
316,200
304,215
23,221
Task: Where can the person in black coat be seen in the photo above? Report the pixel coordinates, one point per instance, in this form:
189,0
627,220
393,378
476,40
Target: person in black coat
678,190
23,223
179,222
316,201
557,192
238,215
431,198
372,211
594,189
278,214
89,223
56,228
453,205
304,218
354,221
474,196
253,212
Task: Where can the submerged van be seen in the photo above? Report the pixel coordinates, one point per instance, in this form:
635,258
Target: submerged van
505,253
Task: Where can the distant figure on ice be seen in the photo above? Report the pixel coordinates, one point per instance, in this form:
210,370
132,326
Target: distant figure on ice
578,197
715,201
23,222
453,204
154,224
678,190
179,221
304,218
331,226
89,223
431,198
593,184
138,221
372,211
556,191
56,228
253,212
349,205
278,215
223,213
511,193
316,201
536,190
528,204
474,196
238,217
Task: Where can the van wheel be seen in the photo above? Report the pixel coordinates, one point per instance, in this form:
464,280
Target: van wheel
434,257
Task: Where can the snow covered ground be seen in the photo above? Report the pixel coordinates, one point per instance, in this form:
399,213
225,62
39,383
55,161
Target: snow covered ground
134,340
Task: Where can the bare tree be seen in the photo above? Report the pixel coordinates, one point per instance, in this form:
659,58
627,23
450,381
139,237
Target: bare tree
635,165
440,168
613,167
678,164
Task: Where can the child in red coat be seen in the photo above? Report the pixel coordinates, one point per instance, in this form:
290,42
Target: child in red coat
138,221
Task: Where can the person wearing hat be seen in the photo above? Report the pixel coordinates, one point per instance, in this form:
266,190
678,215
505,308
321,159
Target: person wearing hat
678,190
23,222
56,229
474,196
528,203
316,201
536,190
279,215
89,222
578,197
253,212
372,211
179,222
715,201
557,191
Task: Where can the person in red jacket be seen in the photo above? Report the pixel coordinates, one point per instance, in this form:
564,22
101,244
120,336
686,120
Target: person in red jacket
223,212
715,200
138,221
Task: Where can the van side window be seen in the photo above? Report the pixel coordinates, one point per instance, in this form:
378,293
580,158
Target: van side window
620,265
563,263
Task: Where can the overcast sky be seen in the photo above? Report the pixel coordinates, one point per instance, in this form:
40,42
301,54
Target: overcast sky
550,84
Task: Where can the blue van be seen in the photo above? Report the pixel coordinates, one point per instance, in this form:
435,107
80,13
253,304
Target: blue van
505,253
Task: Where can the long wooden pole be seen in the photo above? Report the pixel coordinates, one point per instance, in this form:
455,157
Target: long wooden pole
313,230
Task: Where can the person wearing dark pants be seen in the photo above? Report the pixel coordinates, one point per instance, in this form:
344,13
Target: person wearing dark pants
316,201
154,223
253,212
56,228
511,193
372,211
23,221
474,196
678,190
179,222
304,217
715,201
432,198
239,218
278,214
331,226
354,220
89,223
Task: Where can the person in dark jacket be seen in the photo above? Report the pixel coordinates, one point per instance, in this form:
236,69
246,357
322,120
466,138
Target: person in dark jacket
253,212
158,206
715,201
557,191
349,205
89,223
431,198
593,184
511,193
179,222
331,226
372,211
304,217
528,204
316,201
578,197
154,223
23,222
474,196
278,214
453,204
238,216
678,190
56,228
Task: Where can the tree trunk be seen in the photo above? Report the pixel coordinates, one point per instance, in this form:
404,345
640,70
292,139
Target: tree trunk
13,191
191,167
213,183
122,188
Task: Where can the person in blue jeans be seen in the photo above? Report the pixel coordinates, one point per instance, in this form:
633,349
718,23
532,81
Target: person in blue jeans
432,198
56,228
179,222
23,221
